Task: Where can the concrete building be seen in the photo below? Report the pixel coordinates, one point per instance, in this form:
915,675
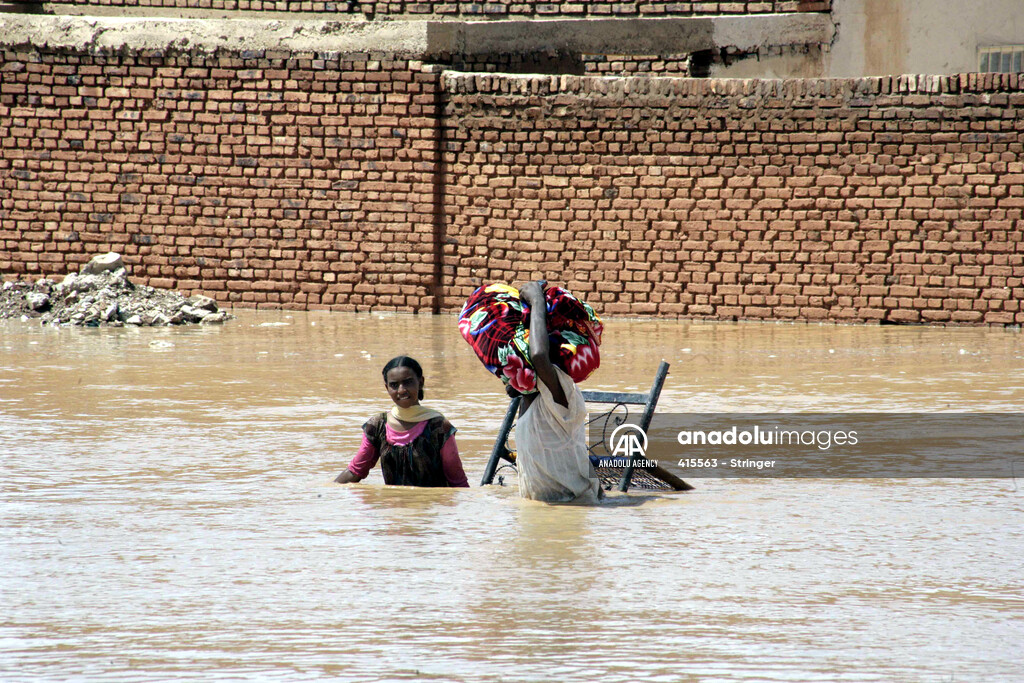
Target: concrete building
885,37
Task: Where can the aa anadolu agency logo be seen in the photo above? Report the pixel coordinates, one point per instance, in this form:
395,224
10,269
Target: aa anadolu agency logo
628,443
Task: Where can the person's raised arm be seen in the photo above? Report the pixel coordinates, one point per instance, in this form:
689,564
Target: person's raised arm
533,294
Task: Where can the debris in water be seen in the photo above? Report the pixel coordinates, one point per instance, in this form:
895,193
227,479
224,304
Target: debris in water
100,295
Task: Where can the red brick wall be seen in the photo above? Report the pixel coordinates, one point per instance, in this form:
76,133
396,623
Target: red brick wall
258,178
876,199
313,180
485,9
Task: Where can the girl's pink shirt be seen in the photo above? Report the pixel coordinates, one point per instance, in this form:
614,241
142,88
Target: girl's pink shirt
367,456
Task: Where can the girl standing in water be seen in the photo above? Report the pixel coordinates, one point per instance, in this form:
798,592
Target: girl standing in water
415,444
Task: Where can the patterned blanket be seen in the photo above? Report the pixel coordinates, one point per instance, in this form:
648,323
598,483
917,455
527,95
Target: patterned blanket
495,322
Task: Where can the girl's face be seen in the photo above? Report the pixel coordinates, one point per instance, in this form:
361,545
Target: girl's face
403,387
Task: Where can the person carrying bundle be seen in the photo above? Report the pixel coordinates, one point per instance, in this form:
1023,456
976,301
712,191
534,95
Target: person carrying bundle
541,343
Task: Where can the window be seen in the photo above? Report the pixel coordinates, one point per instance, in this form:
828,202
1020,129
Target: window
1006,59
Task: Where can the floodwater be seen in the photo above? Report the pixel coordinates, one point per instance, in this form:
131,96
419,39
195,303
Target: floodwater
166,512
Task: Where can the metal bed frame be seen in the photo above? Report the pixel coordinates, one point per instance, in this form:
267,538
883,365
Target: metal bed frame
616,407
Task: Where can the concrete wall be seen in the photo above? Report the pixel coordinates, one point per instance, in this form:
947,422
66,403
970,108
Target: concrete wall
802,60
884,37
791,43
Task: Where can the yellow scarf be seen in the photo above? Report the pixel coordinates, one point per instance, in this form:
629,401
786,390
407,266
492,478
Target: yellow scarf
416,413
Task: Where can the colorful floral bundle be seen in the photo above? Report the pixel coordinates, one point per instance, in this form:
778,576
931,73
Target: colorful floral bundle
495,322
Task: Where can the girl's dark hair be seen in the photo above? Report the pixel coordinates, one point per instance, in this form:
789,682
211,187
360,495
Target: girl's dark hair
404,362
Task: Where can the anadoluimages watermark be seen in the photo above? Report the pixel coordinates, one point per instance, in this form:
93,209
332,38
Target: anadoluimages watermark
853,445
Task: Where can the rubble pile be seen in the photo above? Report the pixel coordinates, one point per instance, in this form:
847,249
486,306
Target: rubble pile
101,294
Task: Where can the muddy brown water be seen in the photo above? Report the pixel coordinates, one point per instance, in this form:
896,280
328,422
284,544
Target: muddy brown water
166,512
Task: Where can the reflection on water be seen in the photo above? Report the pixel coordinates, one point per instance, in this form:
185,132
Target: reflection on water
166,512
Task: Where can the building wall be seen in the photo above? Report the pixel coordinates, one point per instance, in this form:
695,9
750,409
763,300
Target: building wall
885,37
579,64
488,9
791,61
258,177
896,200
309,179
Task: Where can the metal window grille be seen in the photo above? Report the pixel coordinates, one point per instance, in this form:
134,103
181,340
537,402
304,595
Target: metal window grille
1007,59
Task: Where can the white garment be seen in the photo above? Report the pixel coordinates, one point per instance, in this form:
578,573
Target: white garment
551,448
